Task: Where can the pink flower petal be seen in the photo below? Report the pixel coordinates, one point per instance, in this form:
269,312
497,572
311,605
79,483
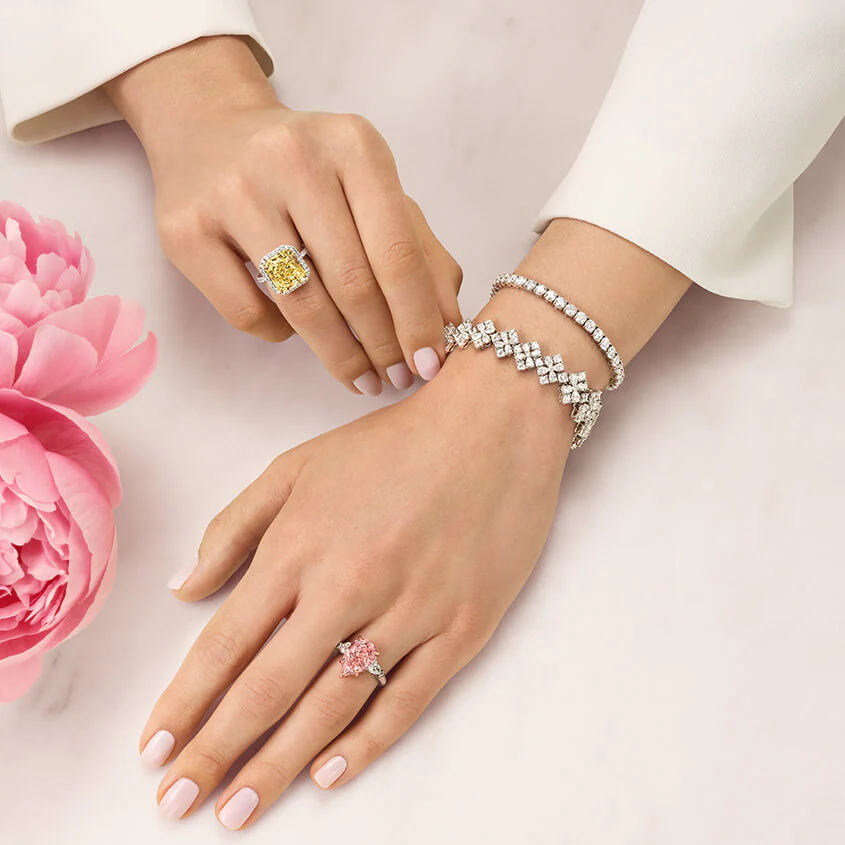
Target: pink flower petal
11,325
93,319
23,464
8,358
81,441
112,383
56,360
24,301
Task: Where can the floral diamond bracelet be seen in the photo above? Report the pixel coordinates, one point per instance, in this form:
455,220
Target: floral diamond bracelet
573,388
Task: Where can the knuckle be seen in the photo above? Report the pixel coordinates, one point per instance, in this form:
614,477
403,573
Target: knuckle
359,129
274,772
385,350
261,695
403,255
348,365
407,705
470,624
217,649
420,328
374,745
231,188
248,318
179,228
209,760
356,284
331,710
457,274
217,528
280,142
308,306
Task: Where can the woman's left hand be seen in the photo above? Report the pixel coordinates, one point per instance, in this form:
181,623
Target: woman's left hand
407,527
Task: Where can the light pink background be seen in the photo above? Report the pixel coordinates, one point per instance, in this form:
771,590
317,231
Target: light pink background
673,673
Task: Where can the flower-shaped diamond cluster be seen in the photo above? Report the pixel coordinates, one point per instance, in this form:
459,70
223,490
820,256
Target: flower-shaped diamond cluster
573,388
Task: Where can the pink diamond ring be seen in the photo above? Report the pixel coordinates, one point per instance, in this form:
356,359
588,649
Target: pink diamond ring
359,656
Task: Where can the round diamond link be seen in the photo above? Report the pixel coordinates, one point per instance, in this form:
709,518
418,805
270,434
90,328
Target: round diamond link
617,368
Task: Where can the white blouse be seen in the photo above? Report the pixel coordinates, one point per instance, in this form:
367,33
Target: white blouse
716,109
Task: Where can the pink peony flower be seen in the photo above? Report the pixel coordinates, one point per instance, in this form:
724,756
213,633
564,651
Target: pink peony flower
42,268
83,357
58,487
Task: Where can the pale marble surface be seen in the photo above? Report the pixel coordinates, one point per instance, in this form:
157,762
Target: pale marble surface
672,673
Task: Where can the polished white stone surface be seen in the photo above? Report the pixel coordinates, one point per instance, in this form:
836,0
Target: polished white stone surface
673,672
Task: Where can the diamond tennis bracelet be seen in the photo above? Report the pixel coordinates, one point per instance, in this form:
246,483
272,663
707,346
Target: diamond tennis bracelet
617,368
573,388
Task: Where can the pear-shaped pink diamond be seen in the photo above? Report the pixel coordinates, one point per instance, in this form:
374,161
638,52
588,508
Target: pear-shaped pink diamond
359,656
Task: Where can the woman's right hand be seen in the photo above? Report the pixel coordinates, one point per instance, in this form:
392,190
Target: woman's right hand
238,174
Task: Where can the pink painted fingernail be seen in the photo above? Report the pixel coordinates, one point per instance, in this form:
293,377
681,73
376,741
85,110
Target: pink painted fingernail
181,576
400,375
427,363
178,799
158,749
238,808
369,383
330,771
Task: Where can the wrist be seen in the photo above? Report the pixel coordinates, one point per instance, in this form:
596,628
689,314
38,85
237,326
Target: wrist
487,399
175,94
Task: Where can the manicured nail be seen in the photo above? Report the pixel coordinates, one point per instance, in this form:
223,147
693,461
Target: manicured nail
179,578
369,383
238,808
178,799
158,749
427,363
330,771
400,375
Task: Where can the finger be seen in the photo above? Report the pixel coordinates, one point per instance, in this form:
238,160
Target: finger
411,688
326,224
240,627
257,700
221,276
390,239
237,530
447,272
328,707
309,309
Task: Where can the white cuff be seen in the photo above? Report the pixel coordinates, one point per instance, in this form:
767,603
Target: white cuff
54,61
715,111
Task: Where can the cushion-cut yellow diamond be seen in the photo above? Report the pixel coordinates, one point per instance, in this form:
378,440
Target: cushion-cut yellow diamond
285,270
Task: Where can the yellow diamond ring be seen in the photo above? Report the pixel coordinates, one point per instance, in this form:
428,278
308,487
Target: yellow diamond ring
284,269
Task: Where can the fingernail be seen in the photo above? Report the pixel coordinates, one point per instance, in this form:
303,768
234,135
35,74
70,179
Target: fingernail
427,363
179,578
178,799
158,749
238,808
330,771
400,375
369,383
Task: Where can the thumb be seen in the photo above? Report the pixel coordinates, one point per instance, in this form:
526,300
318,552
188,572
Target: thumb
237,530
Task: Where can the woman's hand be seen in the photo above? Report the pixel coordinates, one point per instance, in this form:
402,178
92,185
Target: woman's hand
415,526
409,527
237,174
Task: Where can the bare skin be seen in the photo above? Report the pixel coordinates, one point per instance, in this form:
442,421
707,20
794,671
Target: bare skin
428,546
238,174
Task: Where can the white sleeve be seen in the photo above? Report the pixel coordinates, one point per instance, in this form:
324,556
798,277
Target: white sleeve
716,109
55,55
